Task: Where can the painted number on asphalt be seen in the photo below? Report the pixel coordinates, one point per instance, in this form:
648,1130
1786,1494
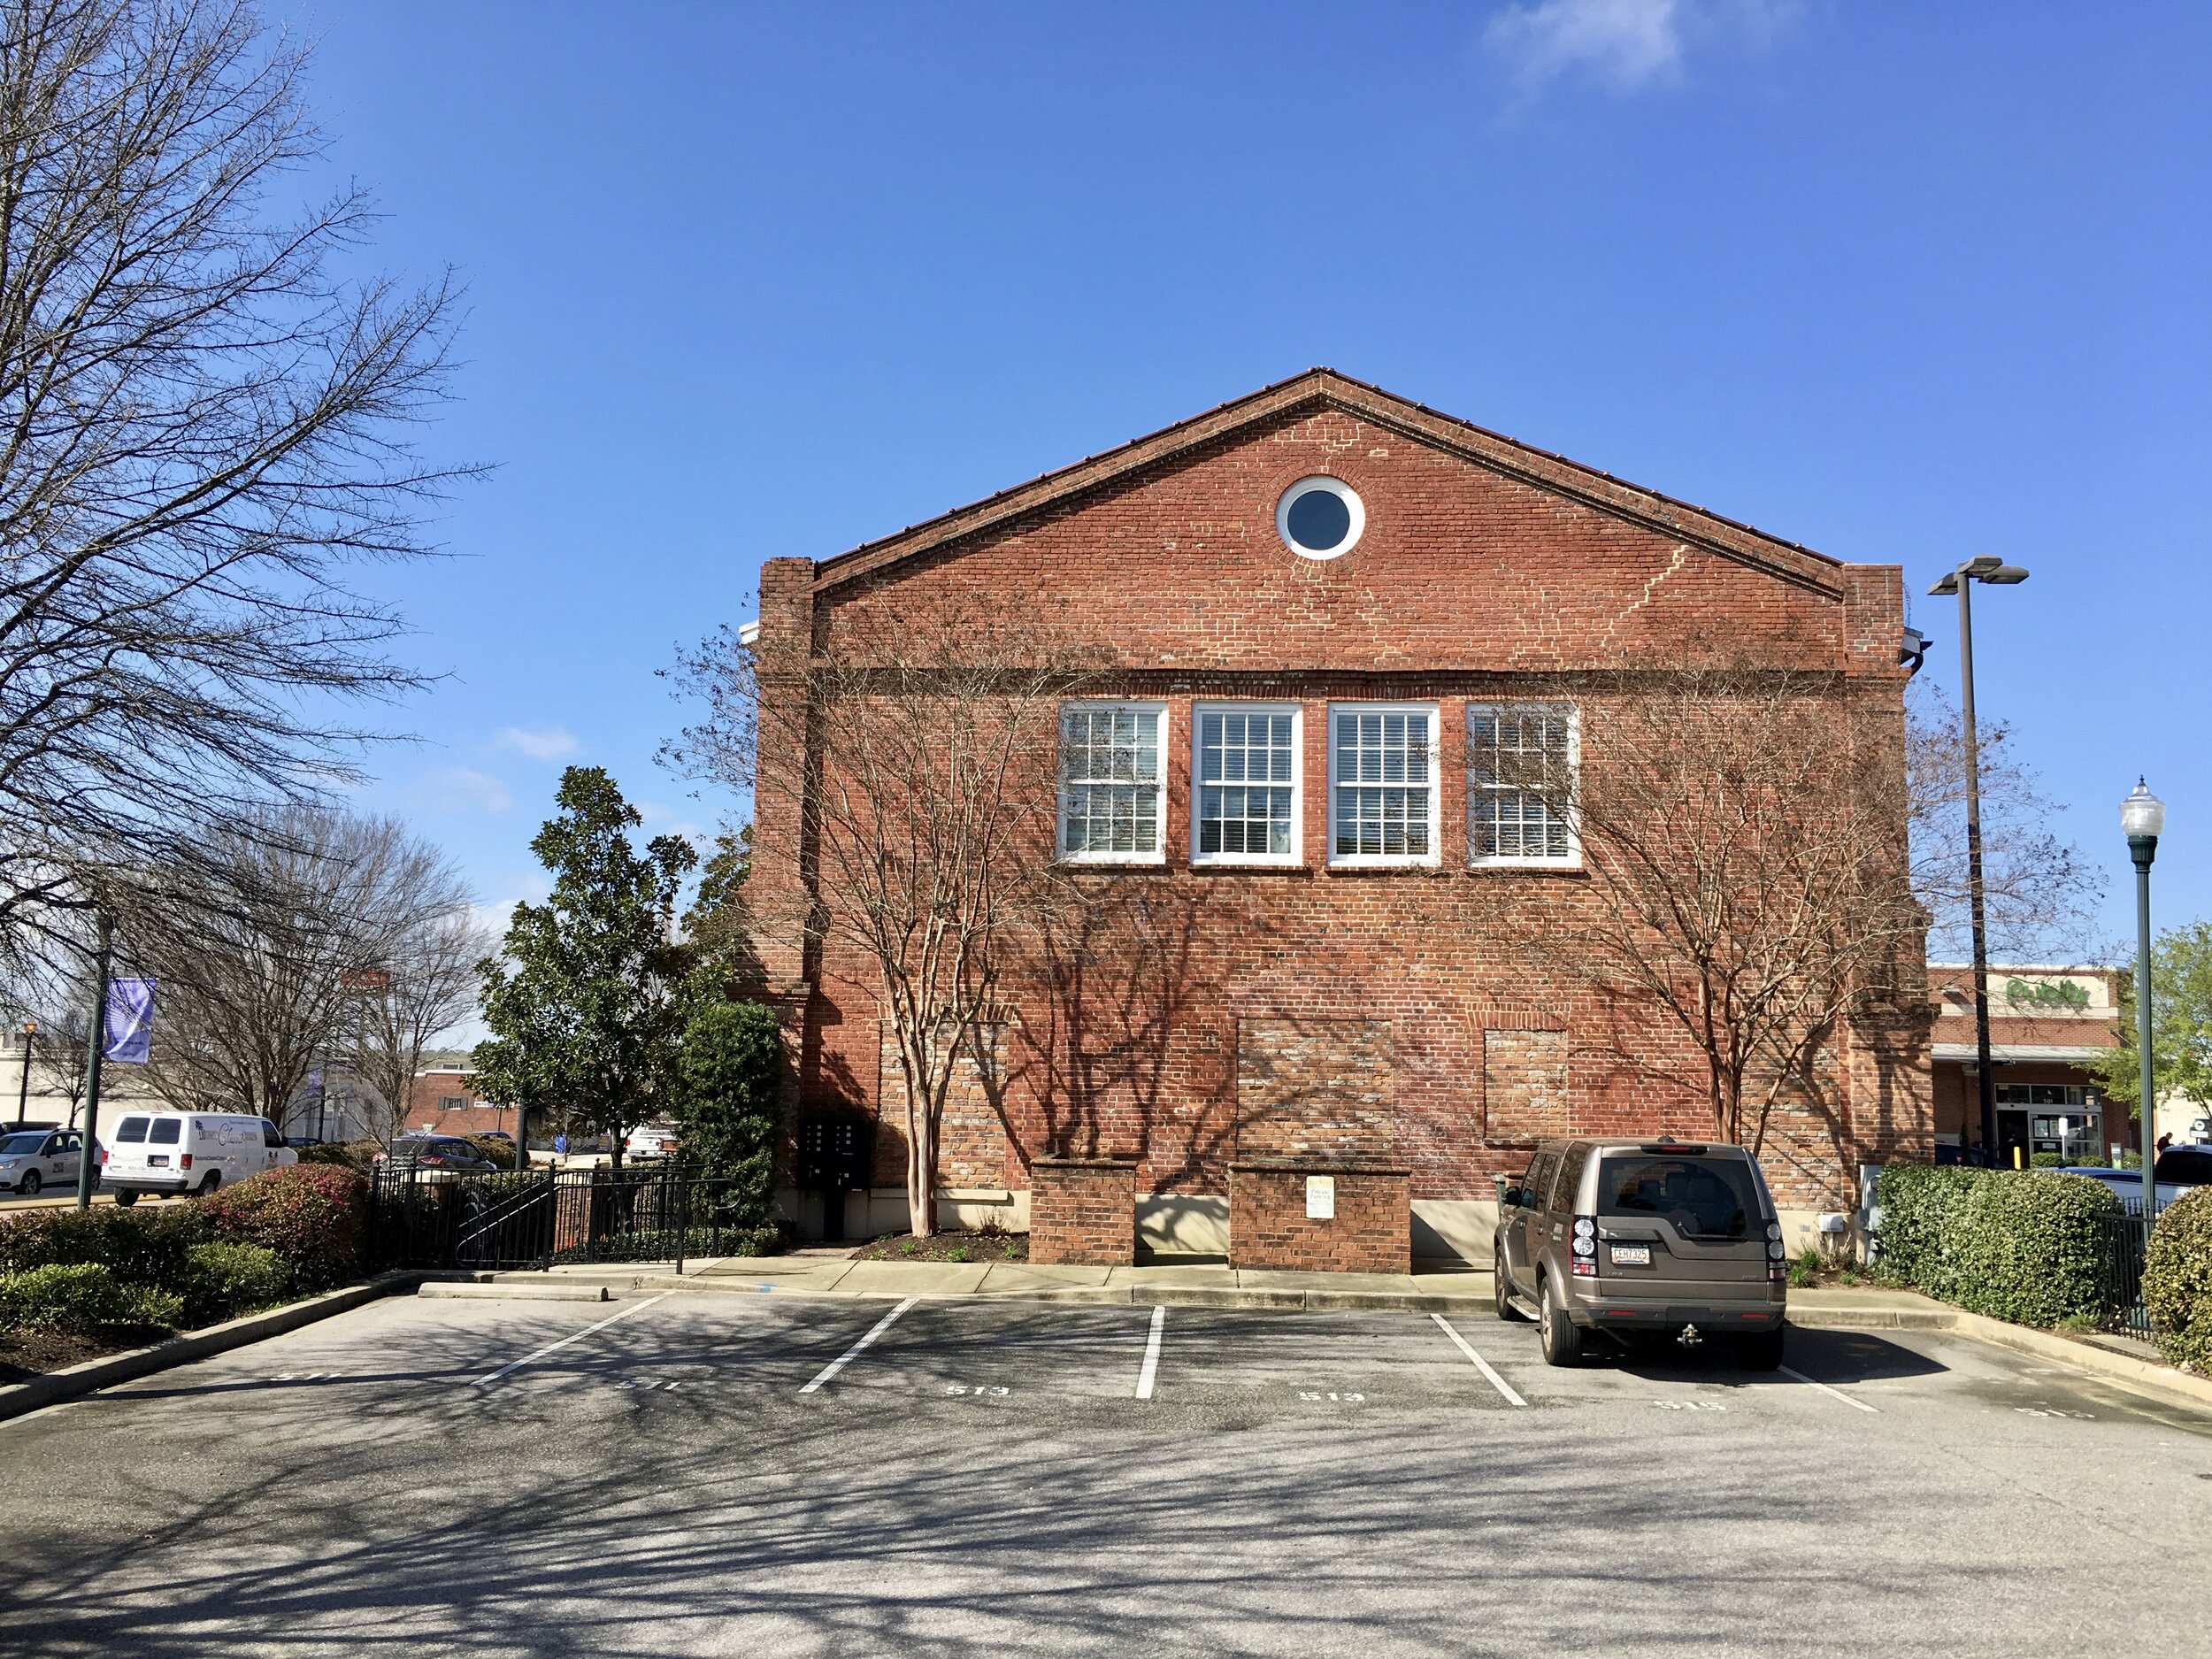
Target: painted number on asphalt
1689,1405
1348,1400
978,1391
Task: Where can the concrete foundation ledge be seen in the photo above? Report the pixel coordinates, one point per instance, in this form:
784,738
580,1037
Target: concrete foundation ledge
548,1290
76,1381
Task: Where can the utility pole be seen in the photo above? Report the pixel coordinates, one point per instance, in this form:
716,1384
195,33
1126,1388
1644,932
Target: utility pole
88,1160
23,1088
1985,567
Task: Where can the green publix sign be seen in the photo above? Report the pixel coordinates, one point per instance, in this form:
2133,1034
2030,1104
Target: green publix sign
2045,994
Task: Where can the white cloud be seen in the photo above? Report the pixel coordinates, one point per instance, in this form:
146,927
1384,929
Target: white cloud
670,820
1623,44
458,789
552,743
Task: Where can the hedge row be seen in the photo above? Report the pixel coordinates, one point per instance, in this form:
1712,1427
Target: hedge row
2027,1247
2178,1280
289,1231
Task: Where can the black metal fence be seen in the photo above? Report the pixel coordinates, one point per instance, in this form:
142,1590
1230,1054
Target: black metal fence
533,1220
2119,1267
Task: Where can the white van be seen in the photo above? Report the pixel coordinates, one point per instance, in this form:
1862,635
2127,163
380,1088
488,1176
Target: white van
189,1152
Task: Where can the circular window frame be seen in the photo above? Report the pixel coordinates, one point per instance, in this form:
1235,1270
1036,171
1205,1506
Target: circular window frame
1343,492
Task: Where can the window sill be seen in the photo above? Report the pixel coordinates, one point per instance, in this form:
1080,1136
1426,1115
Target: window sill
1252,867
1422,867
1530,868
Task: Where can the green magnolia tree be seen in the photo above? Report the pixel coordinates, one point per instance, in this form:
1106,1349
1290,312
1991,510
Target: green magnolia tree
2181,1021
727,1073
584,999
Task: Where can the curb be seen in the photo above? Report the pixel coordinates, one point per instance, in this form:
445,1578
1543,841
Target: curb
74,1381
2124,1371
473,1290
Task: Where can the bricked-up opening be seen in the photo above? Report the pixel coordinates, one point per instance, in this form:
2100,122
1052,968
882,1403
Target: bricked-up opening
970,1136
1315,1088
1524,1086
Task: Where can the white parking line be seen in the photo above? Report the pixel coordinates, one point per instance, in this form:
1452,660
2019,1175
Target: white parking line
1825,1389
1151,1354
636,1307
1481,1364
857,1349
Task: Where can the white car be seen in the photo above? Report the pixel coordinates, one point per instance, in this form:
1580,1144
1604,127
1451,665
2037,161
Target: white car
189,1152
650,1140
40,1158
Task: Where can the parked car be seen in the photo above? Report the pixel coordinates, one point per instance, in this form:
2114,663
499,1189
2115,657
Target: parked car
33,1159
2179,1169
189,1152
1641,1238
650,1140
434,1152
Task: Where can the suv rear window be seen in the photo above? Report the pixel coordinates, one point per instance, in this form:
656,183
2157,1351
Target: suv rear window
133,1129
166,1131
1713,1198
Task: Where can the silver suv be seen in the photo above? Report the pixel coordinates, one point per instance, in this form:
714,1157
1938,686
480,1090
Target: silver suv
1633,1237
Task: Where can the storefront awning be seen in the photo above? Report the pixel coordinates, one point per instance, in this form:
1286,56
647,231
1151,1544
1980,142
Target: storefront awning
2046,1053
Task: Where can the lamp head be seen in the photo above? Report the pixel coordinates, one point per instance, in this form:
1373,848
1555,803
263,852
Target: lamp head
2142,815
2003,576
1948,585
1981,565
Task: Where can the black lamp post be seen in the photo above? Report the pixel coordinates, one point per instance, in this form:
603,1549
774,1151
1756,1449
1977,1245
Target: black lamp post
1985,567
2143,820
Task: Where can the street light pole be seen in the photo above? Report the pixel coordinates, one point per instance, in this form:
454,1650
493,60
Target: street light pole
1984,568
88,1155
2143,820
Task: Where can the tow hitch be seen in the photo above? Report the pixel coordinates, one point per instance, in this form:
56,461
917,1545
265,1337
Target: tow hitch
1688,1336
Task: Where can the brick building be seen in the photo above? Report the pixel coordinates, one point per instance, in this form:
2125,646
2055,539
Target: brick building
445,1102
1316,602
2046,1025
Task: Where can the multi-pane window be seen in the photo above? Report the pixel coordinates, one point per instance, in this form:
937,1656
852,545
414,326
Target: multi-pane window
1382,783
1520,783
1110,795
1244,778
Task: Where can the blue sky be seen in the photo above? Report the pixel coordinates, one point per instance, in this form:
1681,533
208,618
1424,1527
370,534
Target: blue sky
1905,283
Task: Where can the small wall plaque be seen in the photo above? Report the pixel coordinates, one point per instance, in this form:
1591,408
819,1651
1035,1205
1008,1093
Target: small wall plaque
1320,1198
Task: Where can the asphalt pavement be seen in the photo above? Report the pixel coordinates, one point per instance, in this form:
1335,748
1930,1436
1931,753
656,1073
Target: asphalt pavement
776,1475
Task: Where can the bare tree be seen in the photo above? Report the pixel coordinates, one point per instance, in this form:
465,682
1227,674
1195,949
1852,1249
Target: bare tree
2040,896
427,986
262,945
917,756
1743,834
202,426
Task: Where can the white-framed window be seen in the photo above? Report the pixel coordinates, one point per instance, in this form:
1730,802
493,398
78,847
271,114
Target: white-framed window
1383,805
1113,800
1521,764
1245,776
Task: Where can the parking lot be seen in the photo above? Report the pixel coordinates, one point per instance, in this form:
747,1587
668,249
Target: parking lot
714,1473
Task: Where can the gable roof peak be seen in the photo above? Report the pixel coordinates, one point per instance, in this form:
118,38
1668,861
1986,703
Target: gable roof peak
1544,469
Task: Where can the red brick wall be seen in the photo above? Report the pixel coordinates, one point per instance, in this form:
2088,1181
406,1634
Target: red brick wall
1470,583
1083,1211
1371,1233
472,1117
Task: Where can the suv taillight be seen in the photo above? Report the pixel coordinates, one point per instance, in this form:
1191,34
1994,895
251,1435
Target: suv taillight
1586,1247
103,1157
1777,1263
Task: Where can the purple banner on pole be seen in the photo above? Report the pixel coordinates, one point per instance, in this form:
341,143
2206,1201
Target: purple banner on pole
130,1021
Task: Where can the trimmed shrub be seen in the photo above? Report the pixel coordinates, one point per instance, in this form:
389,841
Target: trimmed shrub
2178,1280
80,1298
351,1155
2027,1247
500,1152
222,1281
2046,1160
1919,1203
140,1247
313,1217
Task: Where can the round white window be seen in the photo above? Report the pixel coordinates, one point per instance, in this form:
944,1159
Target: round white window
1320,518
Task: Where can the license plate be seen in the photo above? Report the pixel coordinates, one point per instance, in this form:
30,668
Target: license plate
157,1159
1632,1255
